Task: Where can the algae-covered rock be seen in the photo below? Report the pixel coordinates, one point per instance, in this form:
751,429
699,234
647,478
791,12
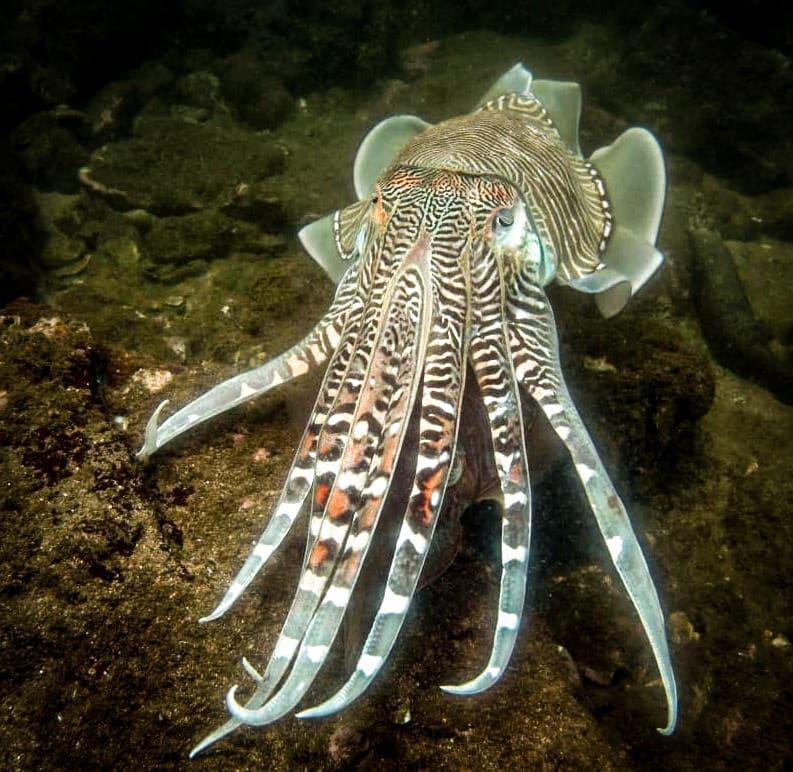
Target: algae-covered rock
61,216
776,212
735,335
179,240
207,235
122,250
259,204
49,151
766,270
60,250
171,166
199,89
647,384
744,218
259,96
112,110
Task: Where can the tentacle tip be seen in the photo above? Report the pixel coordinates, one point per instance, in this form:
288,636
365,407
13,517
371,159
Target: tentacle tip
234,707
252,671
150,435
251,716
195,751
475,686
669,729
217,613
213,737
318,711
456,690
208,741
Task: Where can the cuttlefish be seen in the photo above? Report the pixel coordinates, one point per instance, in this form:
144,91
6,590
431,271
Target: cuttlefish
441,267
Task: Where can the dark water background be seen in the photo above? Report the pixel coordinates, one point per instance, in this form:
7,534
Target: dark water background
156,161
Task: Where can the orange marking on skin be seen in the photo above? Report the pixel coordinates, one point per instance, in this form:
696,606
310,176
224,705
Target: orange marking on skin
516,473
339,504
319,554
355,454
379,215
308,441
349,568
321,496
369,513
429,486
404,178
388,456
326,446
426,510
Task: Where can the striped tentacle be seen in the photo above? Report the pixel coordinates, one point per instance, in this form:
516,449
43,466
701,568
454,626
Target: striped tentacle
299,483
326,453
321,458
359,491
492,364
440,398
535,351
302,472
309,353
372,287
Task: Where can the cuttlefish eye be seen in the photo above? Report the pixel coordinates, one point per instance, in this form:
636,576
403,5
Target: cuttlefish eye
504,219
507,226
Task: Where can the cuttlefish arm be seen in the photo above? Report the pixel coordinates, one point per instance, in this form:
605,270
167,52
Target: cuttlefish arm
492,364
535,352
438,403
306,355
355,499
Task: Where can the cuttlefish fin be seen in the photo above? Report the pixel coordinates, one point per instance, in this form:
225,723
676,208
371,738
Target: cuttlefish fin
331,240
380,147
516,80
561,100
633,170
319,241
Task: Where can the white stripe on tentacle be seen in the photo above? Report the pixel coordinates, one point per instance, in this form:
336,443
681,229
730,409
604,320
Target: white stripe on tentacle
309,353
492,364
401,344
535,352
299,481
301,475
298,484
441,392
313,581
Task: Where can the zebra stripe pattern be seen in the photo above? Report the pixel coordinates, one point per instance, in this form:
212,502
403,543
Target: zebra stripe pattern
447,260
513,137
535,350
309,353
